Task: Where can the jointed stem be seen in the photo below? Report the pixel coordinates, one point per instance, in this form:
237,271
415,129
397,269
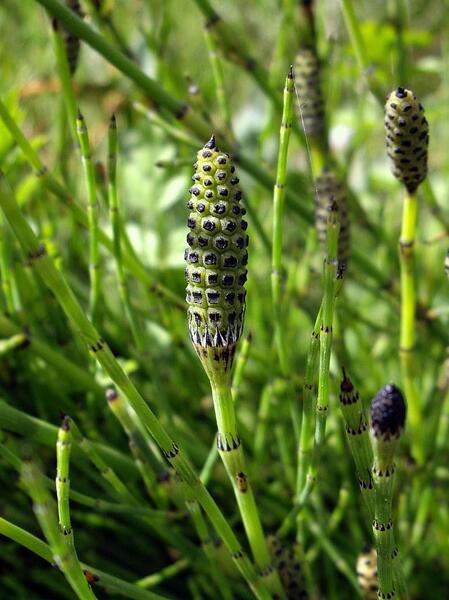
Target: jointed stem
408,310
89,172
36,545
231,452
279,205
100,350
117,226
330,273
60,541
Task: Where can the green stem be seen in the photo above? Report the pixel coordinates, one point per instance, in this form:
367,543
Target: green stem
217,72
61,544
40,548
231,452
42,432
356,426
358,44
117,227
309,408
65,78
391,580
408,322
92,211
278,215
330,273
100,350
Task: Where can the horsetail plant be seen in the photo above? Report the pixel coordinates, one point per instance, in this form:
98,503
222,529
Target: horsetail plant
116,222
278,216
98,348
388,412
94,259
330,189
330,276
71,41
311,105
216,274
407,139
60,540
357,433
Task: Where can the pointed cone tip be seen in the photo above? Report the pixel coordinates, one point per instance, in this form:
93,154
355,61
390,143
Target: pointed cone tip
211,144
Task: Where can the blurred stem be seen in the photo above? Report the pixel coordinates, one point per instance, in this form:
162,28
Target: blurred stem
408,325
117,228
222,96
278,226
65,78
166,573
358,44
92,211
62,550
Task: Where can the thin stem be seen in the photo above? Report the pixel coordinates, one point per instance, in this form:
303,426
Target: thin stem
117,227
40,548
231,452
356,426
138,445
278,215
217,72
60,544
330,273
65,78
305,448
92,211
358,44
100,350
408,322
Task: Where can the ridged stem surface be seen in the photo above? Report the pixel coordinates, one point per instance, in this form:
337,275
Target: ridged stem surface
408,321
61,544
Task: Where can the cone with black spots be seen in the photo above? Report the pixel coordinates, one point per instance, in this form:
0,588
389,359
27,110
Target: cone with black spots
71,42
367,573
330,189
407,137
216,259
289,569
308,87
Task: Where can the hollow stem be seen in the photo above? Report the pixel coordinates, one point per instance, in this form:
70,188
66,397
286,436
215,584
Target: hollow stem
408,322
231,452
60,541
94,259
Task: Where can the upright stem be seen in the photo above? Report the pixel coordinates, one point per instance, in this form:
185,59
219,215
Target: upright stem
279,205
65,78
358,44
92,210
407,332
330,273
231,452
114,212
61,545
